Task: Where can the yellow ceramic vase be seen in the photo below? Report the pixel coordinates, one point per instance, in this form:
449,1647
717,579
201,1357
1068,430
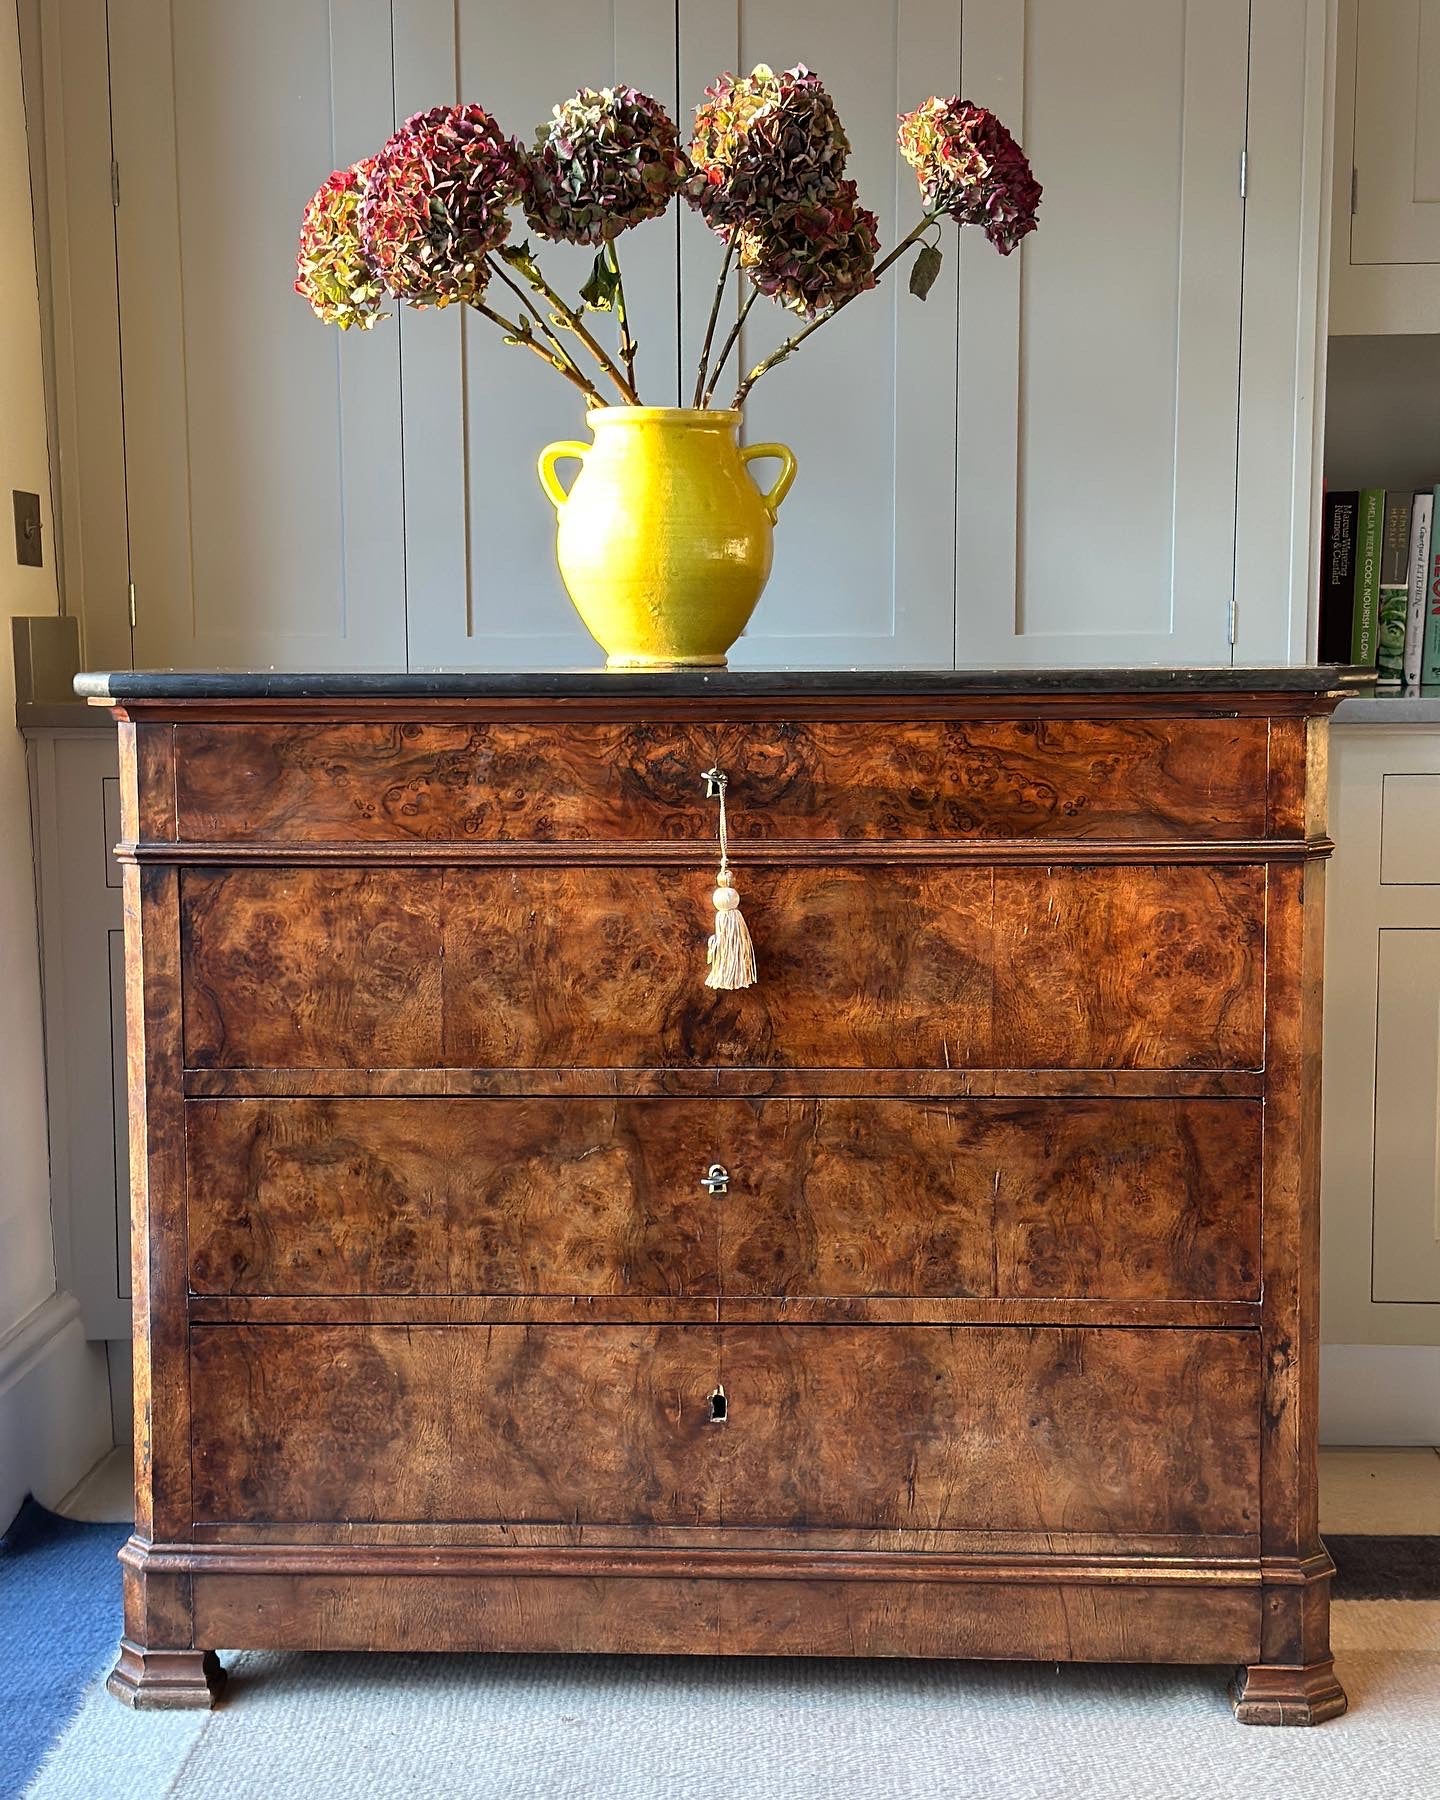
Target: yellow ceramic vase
664,541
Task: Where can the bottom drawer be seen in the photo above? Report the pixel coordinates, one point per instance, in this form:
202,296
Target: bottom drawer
906,1427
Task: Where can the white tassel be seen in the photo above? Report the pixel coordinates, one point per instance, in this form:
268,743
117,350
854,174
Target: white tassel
730,953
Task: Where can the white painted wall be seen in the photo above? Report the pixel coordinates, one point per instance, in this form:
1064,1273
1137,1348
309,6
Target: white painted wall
53,1411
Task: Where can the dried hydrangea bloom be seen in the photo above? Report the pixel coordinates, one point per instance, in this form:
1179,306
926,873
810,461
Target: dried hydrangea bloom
761,141
812,255
970,167
437,203
332,270
605,160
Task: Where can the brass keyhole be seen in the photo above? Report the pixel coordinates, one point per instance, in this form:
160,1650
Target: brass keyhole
719,1407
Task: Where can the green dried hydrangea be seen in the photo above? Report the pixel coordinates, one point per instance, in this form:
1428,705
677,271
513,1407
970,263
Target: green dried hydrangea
606,159
763,141
332,270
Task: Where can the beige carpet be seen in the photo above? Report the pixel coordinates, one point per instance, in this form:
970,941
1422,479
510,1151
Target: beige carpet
607,1728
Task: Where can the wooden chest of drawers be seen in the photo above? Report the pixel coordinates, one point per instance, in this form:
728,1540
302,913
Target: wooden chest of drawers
950,1292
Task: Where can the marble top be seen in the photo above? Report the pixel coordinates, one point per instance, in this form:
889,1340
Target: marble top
679,684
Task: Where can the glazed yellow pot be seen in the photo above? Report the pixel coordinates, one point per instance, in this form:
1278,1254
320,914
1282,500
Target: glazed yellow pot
664,541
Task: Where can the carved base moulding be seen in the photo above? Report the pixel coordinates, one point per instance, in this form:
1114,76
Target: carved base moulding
996,1339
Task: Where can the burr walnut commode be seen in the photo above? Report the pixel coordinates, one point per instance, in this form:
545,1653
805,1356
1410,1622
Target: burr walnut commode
951,1292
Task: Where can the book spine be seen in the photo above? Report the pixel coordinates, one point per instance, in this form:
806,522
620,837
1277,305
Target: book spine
1430,650
1369,531
1420,527
1337,573
1394,589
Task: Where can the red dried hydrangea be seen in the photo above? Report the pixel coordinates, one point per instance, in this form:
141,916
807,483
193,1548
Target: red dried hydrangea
437,204
970,167
332,270
762,141
812,255
606,159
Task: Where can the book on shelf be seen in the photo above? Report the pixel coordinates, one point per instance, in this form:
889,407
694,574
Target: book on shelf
1369,538
1430,644
1393,603
1337,572
1421,520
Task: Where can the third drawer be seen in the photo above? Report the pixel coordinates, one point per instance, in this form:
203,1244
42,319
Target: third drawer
1118,1199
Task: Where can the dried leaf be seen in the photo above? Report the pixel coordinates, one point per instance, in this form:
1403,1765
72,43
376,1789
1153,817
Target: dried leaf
598,292
924,270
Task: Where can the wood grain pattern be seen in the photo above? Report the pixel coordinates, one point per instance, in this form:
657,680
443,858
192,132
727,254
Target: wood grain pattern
1131,1200
885,968
1052,1622
1114,1199
442,1422
994,1429
499,782
920,1427
451,1197
1135,968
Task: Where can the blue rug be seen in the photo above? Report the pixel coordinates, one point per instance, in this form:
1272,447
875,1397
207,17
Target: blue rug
59,1624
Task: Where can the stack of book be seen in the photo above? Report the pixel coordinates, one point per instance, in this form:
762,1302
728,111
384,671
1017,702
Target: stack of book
1380,584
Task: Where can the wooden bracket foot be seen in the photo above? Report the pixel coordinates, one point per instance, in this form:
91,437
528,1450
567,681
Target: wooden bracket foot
1277,1694
165,1678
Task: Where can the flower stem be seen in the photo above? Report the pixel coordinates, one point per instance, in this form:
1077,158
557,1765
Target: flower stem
792,344
622,317
570,319
544,324
731,340
715,305
516,333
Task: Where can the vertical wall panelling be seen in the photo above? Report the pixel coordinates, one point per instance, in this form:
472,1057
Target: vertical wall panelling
69,66
264,475
1282,355
1098,384
864,556
479,533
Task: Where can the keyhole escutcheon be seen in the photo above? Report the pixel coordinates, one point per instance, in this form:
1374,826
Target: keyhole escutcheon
716,1179
719,1407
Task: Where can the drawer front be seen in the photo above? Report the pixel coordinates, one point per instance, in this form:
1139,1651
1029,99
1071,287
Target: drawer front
449,1197
1125,778
1000,1429
885,967
545,1424
899,1427
1004,1199
1099,1199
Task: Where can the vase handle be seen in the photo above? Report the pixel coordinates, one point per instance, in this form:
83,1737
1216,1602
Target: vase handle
786,458
549,480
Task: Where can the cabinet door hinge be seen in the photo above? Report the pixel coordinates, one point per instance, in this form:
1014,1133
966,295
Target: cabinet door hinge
1244,172
132,605
1354,191
114,183
1232,620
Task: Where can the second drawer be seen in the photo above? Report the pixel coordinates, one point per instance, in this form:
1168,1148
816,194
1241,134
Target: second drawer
1148,1199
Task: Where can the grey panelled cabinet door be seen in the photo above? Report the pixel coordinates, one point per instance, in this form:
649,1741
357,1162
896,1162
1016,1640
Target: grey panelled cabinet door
262,449
1099,375
1397,133
482,585
864,549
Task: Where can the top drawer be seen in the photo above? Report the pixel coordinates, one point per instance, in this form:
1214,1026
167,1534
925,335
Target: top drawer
1133,779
